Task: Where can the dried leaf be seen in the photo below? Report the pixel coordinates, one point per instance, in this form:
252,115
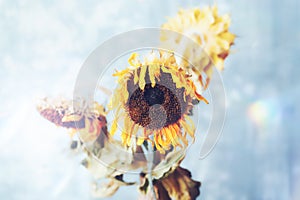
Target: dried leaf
177,185
110,188
110,161
168,163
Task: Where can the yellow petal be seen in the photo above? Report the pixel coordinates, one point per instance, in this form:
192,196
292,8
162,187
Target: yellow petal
228,37
157,71
124,137
183,139
127,124
128,142
169,134
87,125
174,131
125,93
114,127
163,140
133,59
71,118
121,73
142,81
157,145
140,140
72,132
190,122
136,77
223,44
164,69
159,139
151,69
218,62
176,80
187,128
135,129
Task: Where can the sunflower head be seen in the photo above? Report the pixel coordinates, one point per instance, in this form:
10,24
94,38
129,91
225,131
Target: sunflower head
153,100
86,118
207,29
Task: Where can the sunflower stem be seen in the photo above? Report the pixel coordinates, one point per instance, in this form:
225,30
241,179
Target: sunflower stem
149,154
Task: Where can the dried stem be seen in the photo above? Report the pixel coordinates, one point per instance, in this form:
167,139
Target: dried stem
149,154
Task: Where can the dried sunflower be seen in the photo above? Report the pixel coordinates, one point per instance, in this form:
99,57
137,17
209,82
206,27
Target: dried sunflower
152,102
207,29
89,119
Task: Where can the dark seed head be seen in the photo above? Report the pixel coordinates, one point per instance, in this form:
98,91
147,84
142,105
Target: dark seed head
154,96
159,106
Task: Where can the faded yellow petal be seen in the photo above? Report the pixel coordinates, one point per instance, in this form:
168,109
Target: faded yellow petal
164,69
187,128
142,81
174,131
133,59
127,124
121,73
72,132
135,129
152,69
157,71
128,142
164,141
70,118
169,134
114,127
227,36
190,122
218,62
157,144
176,80
99,109
183,139
124,139
140,140
159,139
136,77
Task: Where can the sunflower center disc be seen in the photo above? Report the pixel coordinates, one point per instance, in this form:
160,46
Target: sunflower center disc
154,96
154,107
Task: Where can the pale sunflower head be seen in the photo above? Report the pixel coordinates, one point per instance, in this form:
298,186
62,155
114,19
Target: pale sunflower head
152,102
86,118
209,30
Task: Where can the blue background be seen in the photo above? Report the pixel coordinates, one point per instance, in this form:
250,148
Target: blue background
44,43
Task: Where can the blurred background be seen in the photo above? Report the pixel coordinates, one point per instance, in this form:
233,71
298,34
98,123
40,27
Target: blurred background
44,43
